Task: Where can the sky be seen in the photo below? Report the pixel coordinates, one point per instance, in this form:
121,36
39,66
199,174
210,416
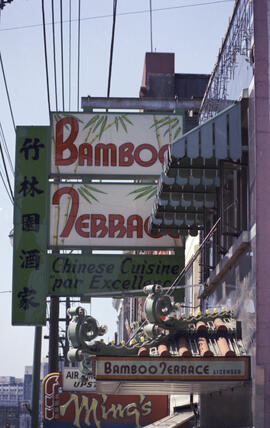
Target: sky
192,29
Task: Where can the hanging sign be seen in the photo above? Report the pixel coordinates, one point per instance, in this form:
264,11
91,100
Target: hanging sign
106,144
30,227
175,369
73,275
73,381
81,410
103,215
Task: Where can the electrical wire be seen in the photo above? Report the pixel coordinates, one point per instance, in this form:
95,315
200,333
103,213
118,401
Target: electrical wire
62,54
151,32
7,188
6,172
6,149
4,183
136,12
54,58
79,57
69,66
111,50
7,92
190,263
46,57
183,272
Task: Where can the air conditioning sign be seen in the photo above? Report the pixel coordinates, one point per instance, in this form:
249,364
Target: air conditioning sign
107,144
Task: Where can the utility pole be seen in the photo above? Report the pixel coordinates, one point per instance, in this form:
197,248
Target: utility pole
36,378
54,334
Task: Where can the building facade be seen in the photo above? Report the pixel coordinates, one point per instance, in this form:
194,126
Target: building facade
229,219
234,260
11,399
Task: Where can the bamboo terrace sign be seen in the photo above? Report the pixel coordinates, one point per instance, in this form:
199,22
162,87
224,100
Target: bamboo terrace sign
103,215
105,144
60,206
176,369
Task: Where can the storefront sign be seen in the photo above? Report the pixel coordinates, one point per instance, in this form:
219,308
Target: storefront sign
30,283
73,381
103,215
81,410
106,144
71,274
177,369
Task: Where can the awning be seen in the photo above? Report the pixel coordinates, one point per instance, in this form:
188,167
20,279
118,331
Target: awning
190,179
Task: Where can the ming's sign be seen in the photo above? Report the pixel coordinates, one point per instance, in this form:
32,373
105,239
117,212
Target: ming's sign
105,144
103,215
81,410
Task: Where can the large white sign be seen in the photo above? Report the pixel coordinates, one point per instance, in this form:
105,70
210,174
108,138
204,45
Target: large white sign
103,215
114,368
73,381
105,144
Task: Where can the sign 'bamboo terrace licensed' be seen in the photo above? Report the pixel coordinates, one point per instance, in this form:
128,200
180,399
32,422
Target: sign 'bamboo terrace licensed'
61,204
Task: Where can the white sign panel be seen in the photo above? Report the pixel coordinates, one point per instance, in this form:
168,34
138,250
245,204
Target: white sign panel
72,381
103,215
105,144
172,368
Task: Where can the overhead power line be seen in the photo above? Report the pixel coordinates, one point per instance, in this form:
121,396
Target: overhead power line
111,50
54,58
185,269
151,31
6,149
69,58
62,54
7,190
135,12
46,57
7,92
79,54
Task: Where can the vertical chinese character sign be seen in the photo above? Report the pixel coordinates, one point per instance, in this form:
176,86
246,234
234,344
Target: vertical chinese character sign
30,226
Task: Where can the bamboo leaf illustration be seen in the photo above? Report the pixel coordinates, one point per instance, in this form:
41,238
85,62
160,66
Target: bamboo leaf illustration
94,189
58,117
143,194
170,128
84,196
123,123
102,127
98,123
87,195
143,191
91,121
153,193
84,190
127,120
116,123
169,122
177,132
159,121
